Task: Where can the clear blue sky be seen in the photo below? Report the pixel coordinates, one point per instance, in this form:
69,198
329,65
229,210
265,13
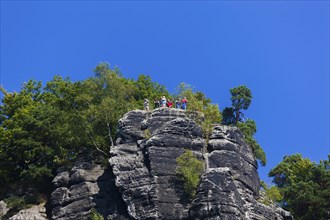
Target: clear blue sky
279,49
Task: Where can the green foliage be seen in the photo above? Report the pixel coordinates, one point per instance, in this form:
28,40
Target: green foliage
147,134
148,89
94,215
197,101
211,115
33,130
228,115
272,194
43,128
305,186
189,170
17,203
241,98
249,128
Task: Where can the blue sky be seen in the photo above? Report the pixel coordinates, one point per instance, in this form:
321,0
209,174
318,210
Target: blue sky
279,49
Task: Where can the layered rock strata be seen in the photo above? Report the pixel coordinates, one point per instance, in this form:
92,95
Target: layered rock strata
37,212
145,169
144,165
142,181
86,186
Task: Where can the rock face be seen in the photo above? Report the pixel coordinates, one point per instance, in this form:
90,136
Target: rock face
33,213
145,169
144,166
87,185
3,208
142,181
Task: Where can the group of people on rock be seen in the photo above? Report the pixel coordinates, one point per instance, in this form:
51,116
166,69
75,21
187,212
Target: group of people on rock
163,102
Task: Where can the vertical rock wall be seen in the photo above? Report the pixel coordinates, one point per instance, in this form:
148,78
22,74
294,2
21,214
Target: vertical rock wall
228,189
142,182
145,169
88,184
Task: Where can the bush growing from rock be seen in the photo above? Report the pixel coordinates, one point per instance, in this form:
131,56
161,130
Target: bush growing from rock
189,171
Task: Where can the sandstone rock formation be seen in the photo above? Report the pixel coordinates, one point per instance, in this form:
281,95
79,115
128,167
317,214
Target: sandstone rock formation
87,185
144,167
141,182
37,212
3,209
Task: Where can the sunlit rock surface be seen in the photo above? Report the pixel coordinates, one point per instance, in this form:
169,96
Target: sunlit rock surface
141,182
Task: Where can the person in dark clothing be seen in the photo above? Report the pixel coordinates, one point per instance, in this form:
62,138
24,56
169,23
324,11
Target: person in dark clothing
177,103
156,103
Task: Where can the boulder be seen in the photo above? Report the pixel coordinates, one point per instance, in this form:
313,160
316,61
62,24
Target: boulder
3,208
34,213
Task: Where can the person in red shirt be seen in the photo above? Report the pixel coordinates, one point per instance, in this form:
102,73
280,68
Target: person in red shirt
184,103
169,103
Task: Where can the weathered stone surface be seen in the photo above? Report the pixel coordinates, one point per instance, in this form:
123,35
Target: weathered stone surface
230,187
145,170
142,182
3,208
129,126
132,180
161,116
217,197
87,185
33,213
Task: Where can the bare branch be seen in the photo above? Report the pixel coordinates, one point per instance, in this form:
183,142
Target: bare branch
96,145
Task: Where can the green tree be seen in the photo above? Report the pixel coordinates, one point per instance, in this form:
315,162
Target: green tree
241,98
189,170
249,128
305,186
197,101
272,194
146,88
35,137
228,116
212,115
42,128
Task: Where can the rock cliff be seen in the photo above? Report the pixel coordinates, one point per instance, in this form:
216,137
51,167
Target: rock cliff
141,182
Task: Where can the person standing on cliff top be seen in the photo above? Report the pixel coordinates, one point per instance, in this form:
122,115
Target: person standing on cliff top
163,101
156,103
184,103
169,104
146,104
177,103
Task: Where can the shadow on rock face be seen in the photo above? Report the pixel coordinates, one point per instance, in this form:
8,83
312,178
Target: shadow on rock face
108,201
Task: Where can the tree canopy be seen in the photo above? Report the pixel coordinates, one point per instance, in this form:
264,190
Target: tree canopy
197,101
241,98
305,186
44,127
